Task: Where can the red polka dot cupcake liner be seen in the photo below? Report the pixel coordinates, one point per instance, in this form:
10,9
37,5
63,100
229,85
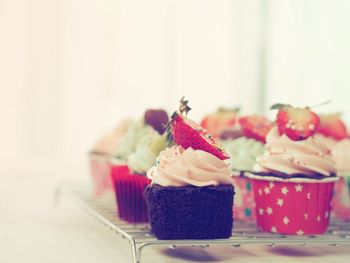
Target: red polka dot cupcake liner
341,199
295,206
244,203
99,170
129,190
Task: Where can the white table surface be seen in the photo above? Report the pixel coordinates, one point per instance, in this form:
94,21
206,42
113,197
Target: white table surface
33,230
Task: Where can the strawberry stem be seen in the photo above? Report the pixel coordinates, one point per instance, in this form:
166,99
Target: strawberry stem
321,104
184,108
278,106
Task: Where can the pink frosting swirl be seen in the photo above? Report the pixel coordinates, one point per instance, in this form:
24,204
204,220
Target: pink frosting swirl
341,156
284,155
327,142
179,167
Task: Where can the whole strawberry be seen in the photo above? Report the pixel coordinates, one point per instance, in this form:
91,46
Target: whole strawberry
331,125
187,133
222,119
297,123
255,127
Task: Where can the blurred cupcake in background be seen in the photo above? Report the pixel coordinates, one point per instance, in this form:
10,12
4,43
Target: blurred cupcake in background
293,180
341,199
333,133
244,143
134,155
217,122
99,157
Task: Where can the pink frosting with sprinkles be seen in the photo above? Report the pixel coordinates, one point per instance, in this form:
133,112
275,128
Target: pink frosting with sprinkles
310,156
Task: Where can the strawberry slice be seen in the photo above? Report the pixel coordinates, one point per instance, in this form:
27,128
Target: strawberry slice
217,122
331,125
297,123
187,133
255,127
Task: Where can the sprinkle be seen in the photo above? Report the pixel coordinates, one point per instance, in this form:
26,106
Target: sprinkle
311,126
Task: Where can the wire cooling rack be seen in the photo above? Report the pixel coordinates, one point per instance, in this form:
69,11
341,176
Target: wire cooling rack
138,235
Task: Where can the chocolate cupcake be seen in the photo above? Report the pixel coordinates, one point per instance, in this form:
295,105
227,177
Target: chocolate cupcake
191,195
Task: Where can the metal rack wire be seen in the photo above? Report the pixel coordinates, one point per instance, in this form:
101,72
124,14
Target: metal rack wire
139,237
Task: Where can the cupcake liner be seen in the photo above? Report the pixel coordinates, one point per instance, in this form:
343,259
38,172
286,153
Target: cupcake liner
244,203
341,199
129,188
119,188
300,206
99,170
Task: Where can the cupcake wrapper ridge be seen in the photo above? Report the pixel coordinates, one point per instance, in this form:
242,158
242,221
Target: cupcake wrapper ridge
129,190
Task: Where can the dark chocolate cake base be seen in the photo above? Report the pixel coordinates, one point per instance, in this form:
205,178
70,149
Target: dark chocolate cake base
190,212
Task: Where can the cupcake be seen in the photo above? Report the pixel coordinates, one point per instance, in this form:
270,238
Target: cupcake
244,143
243,152
99,156
217,122
333,133
341,199
191,195
133,157
293,180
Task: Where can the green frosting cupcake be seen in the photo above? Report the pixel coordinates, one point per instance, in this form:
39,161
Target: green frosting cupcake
147,151
243,152
135,130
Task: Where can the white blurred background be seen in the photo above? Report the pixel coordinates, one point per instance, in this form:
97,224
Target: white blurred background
71,69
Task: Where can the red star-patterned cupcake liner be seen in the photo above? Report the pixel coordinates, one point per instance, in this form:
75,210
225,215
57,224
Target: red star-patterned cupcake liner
341,199
244,203
295,206
99,170
129,190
